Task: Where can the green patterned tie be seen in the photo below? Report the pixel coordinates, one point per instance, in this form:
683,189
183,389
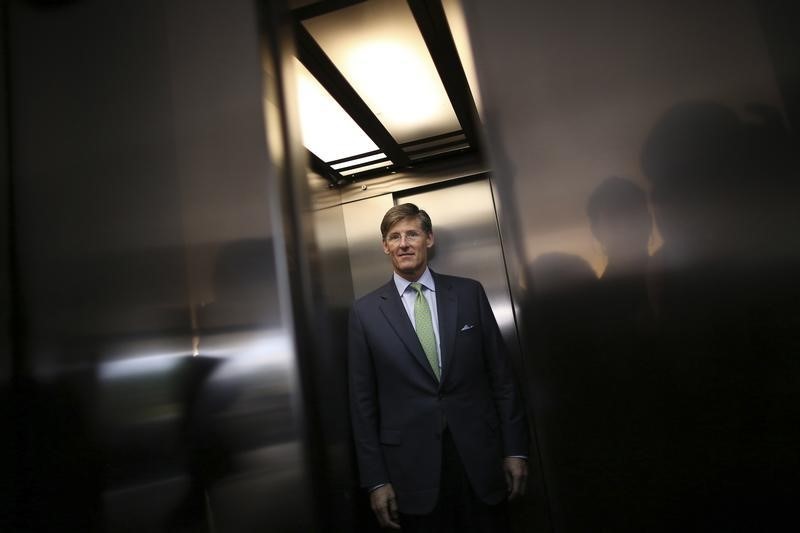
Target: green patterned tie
424,325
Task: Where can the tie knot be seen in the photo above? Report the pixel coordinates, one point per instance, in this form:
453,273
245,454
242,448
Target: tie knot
417,287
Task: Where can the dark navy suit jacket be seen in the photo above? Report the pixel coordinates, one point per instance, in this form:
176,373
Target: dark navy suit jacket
399,409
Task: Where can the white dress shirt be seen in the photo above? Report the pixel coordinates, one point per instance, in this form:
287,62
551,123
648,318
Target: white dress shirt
409,297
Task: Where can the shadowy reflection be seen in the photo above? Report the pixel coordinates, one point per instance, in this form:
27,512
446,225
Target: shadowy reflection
210,384
207,453
58,465
620,221
673,379
566,291
725,293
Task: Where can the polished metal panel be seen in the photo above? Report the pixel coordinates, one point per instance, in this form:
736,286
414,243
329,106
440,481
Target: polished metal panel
161,383
332,239
7,475
322,193
659,311
5,234
344,496
369,265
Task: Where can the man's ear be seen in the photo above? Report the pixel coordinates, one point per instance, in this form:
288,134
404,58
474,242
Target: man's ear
385,247
430,239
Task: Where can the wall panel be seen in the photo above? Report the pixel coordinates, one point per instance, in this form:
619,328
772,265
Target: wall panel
656,332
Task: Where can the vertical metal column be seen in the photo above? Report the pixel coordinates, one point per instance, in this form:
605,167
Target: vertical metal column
155,240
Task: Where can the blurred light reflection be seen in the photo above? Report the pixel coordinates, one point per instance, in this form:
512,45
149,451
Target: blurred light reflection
140,366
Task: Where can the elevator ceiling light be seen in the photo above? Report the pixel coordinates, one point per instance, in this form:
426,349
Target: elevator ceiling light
379,49
401,69
328,131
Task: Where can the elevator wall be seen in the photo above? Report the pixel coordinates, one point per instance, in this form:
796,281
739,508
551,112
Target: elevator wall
6,289
157,384
648,184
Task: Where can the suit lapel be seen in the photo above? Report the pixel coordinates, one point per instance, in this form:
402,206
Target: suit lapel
446,307
392,308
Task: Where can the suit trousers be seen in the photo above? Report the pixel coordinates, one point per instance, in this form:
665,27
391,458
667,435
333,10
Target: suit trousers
458,508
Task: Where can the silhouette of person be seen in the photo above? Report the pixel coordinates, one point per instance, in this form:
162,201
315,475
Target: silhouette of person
717,183
209,385
620,220
564,312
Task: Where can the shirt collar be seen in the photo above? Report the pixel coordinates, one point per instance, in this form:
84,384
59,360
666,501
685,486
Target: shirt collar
426,280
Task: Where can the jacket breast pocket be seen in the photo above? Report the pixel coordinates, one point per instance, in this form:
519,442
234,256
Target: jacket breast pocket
390,437
469,328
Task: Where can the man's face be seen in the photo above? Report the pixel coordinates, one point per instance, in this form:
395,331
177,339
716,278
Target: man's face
407,245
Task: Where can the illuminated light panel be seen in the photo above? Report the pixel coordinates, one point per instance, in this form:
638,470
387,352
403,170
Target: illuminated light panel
328,131
378,48
458,28
365,159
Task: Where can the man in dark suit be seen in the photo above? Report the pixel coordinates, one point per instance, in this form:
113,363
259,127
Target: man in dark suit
440,432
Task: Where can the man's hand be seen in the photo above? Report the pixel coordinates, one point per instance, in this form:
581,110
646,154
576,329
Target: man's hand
516,470
384,506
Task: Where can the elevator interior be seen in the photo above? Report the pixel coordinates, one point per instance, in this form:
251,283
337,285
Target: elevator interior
421,108
178,279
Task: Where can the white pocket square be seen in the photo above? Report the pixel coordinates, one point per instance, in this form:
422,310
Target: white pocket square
467,327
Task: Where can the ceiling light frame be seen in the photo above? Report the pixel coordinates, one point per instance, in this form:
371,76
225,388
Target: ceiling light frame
435,30
321,67
432,23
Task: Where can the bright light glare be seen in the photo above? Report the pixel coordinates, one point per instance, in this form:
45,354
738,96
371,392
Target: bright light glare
379,49
246,353
328,131
140,365
373,68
